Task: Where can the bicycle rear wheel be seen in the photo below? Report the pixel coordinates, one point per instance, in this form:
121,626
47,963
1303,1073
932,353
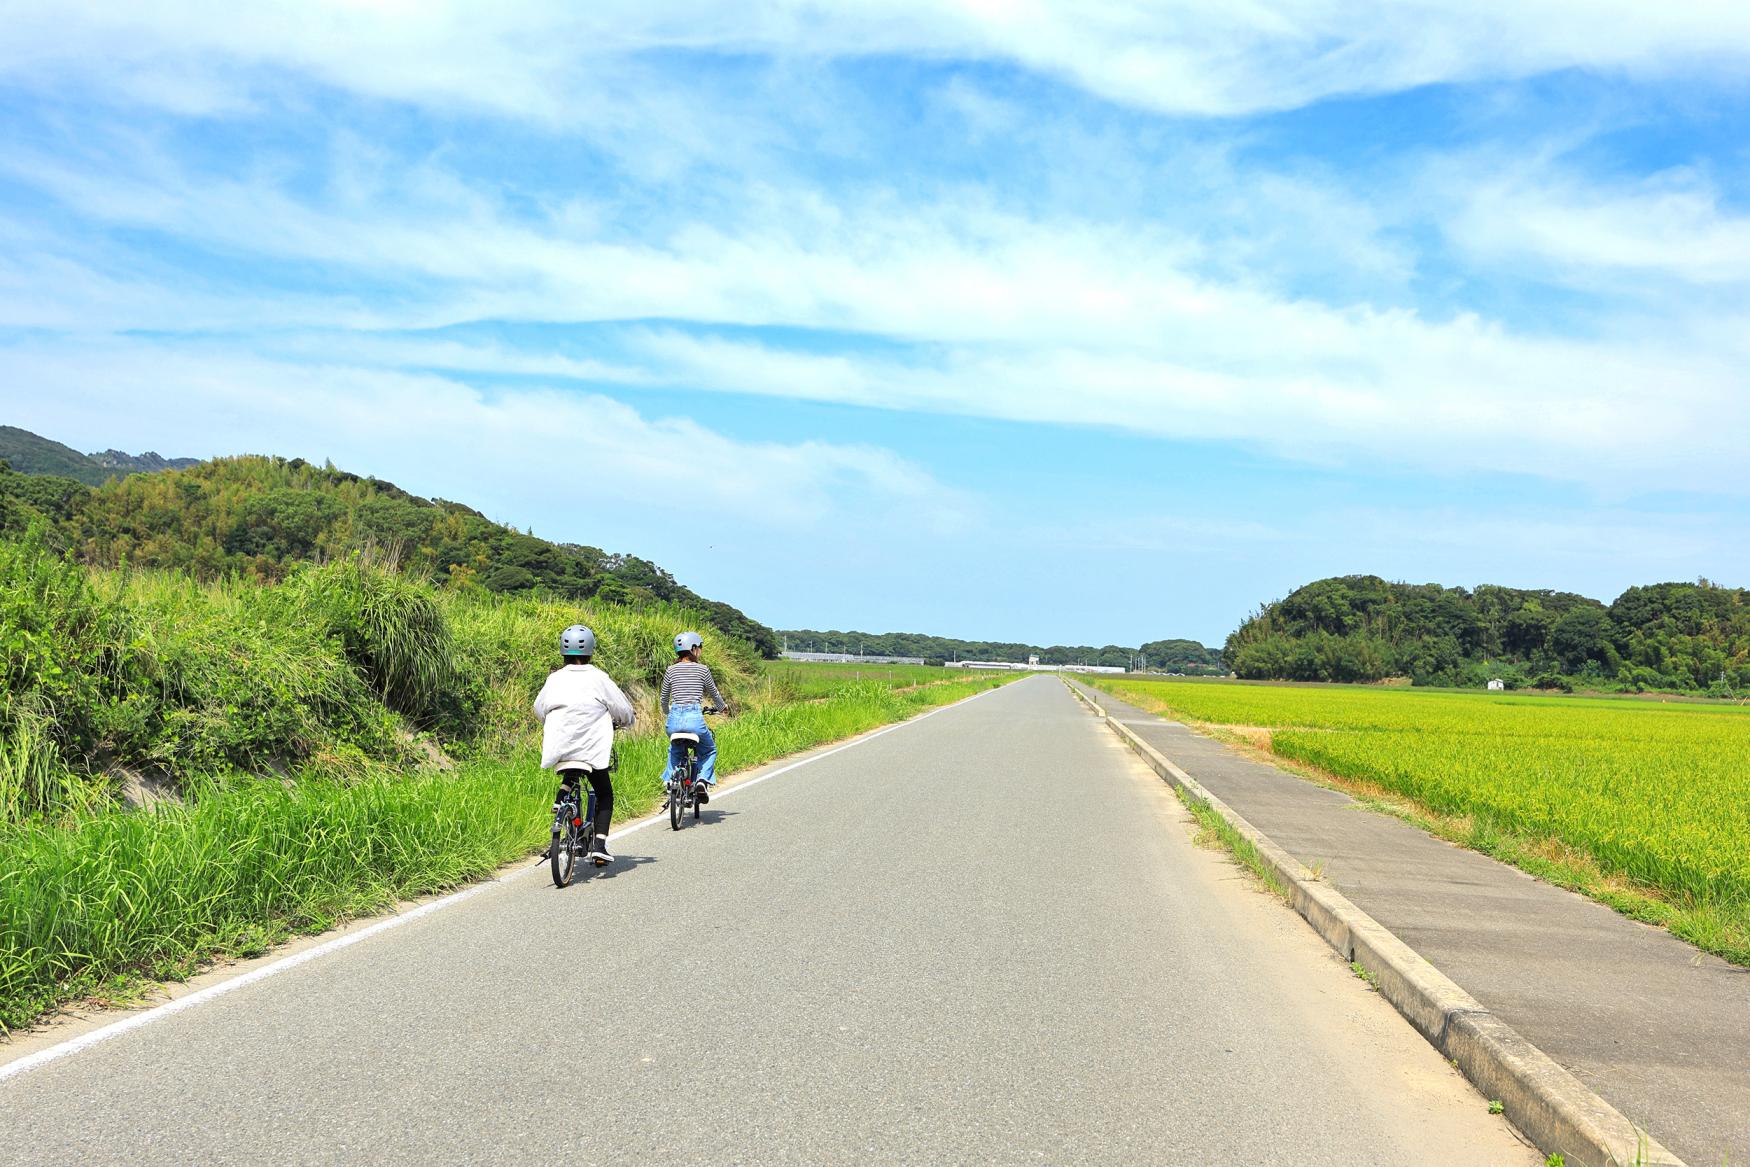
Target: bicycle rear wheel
676,799
563,853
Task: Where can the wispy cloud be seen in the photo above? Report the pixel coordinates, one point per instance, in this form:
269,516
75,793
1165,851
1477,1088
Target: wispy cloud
536,453
559,63
988,312
1669,227
1449,399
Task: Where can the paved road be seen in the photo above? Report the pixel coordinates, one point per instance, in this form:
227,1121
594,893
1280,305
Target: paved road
883,969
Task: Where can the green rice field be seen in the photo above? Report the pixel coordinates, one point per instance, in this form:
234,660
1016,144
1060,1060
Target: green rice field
818,678
1647,804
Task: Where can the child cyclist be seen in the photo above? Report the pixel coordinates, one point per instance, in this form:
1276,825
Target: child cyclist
580,707
684,687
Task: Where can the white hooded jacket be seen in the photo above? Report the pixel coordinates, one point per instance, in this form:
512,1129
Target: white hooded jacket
580,707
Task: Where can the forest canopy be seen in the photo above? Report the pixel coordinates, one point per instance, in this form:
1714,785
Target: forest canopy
1684,637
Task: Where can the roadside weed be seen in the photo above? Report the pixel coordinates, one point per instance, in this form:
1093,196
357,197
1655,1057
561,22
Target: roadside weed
1213,830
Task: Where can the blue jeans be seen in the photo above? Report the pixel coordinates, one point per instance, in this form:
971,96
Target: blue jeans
691,719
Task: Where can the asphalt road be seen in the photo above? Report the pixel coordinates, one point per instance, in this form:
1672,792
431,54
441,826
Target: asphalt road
984,937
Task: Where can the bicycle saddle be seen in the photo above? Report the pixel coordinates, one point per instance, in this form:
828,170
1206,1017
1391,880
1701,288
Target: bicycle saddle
683,737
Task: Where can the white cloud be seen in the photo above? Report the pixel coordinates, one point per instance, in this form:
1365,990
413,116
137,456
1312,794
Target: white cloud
402,351
1448,399
973,308
1668,227
980,311
571,462
557,63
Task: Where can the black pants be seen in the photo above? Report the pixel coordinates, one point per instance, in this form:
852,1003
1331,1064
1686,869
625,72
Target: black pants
601,781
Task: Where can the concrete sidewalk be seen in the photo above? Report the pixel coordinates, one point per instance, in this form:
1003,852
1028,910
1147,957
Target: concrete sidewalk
1658,1029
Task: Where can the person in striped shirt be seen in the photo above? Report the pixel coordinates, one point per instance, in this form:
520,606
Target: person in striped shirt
684,688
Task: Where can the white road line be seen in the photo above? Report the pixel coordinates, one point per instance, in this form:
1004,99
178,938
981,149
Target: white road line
201,997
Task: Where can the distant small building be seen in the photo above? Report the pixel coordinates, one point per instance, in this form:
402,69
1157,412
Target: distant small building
1497,683
1033,660
1033,666
846,658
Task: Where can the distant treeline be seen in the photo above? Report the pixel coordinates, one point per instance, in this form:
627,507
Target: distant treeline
258,517
1684,637
1167,656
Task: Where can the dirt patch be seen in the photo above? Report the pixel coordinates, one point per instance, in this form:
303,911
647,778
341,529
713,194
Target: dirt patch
141,790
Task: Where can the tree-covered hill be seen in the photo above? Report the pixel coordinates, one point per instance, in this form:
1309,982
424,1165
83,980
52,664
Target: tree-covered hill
256,517
1686,637
1179,656
1182,656
30,453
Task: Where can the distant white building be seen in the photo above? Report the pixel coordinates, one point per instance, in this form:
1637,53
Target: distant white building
1032,666
1497,683
847,658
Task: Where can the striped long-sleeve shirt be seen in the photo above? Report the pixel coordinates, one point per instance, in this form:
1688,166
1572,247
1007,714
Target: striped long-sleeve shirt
686,683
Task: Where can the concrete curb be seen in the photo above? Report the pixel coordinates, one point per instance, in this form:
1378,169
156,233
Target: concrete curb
1554,1108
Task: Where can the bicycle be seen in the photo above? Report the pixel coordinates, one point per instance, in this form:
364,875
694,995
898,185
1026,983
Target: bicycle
687,789
571,830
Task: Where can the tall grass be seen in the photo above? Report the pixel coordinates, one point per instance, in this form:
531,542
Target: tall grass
153,893
247,862
62,656
338,670
391,629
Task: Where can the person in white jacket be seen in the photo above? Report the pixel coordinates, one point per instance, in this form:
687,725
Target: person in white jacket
580,707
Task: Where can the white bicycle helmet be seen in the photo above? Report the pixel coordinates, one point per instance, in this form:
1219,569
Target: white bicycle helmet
688,641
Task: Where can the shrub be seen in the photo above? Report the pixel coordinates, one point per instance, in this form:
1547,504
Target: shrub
64,653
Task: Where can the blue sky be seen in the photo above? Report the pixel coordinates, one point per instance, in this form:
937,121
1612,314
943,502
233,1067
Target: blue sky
1044,321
